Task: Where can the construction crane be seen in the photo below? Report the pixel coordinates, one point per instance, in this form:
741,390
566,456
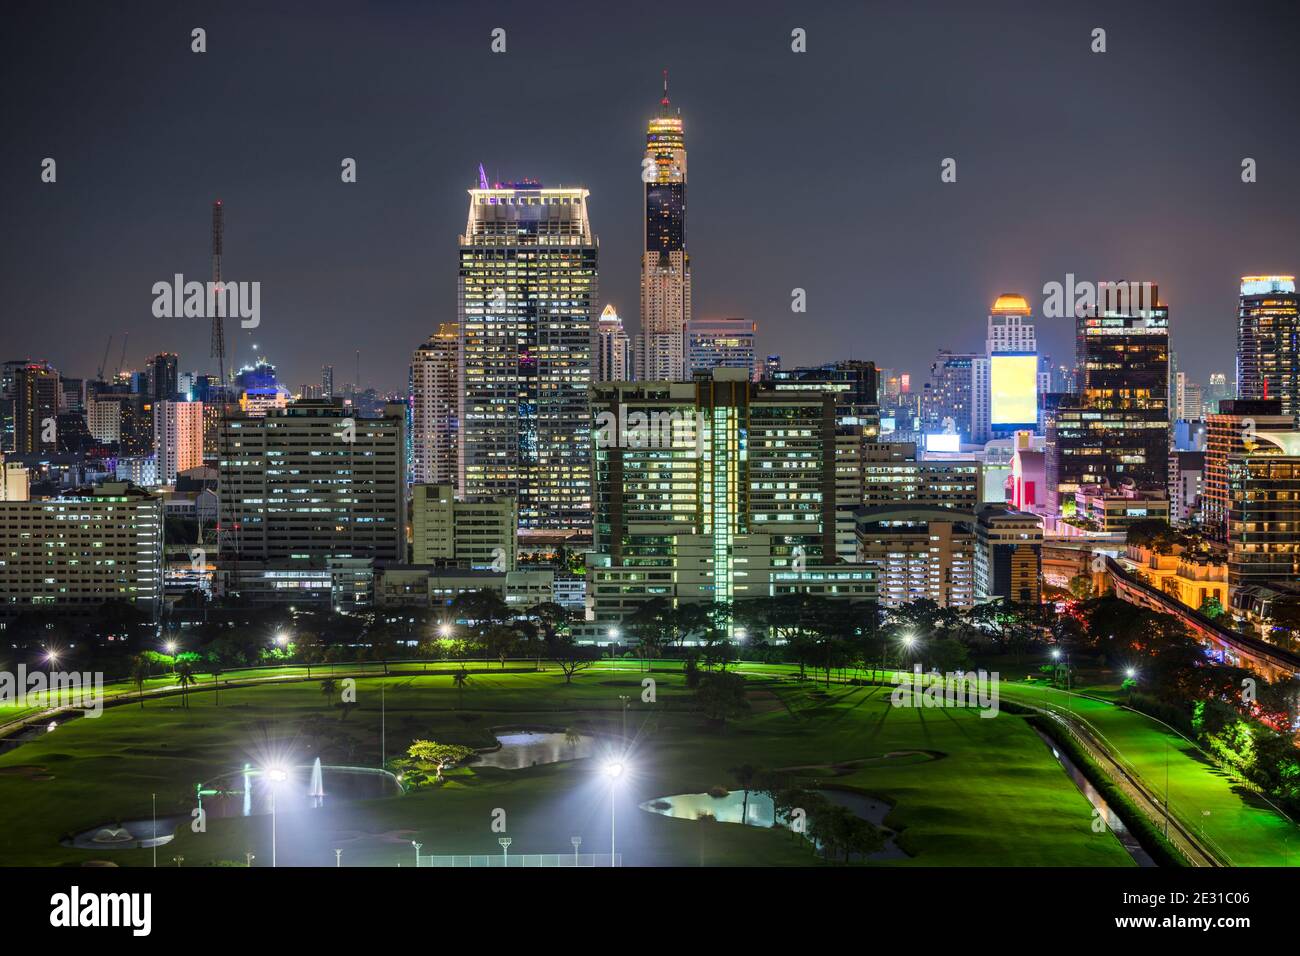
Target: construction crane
121,359
99,373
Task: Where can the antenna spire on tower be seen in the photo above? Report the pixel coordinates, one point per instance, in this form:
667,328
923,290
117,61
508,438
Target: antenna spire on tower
664,101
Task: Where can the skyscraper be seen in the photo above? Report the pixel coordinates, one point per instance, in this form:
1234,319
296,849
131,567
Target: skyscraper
720,343
1268,341
1117,427
526,299
311,481
327,381
36,405
178,437
1005,380
665,263
435,405
163,377
613,348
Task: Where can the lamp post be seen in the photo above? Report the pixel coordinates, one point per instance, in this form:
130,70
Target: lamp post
577,842
614,771
249,858
277,776
417,851
626,700
171,652
505,850
338,857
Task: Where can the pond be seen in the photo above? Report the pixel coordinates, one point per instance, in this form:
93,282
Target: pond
128,835
759,811
247,792
531,748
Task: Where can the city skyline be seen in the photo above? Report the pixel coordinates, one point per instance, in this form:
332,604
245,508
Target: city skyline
354,260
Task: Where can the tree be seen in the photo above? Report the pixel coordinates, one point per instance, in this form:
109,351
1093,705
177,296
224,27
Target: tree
499,640
1284,616
722,695
185,677
327,688
1081,587
744,776
216,671
571,657
482,608
430,755
1212,608
139,674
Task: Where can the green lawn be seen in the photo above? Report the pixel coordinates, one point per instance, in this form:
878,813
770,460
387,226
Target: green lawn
986,792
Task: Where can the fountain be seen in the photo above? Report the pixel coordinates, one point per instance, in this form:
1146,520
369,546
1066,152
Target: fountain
317,789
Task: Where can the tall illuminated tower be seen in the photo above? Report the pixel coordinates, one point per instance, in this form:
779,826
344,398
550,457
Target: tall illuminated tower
435,405
1268,341
526,302
665,264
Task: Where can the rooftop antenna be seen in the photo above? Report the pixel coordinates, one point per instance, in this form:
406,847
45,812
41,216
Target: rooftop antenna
482,177
664,101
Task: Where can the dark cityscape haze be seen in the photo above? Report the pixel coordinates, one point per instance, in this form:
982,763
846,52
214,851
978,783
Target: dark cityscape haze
818,171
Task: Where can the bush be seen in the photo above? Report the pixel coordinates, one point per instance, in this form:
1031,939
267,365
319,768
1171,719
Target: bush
717,793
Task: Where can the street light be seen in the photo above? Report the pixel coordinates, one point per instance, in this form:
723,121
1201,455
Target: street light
338,858
248,859
444,630
577,842
277,776
505,850
614,771
414,844
281,639
171,652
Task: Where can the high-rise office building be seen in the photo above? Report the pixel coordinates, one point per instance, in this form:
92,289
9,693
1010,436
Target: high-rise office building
1268,341
1188,403
327,381
311,481
526,300
178,438
1005,381
435,406
162,377
613,348
715,490
1231,431
665,263
950,398
1008,555
474,534
1264,512
720,343
73,553
36,408
1116,428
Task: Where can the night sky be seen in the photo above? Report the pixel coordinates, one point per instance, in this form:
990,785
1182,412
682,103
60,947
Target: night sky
816,170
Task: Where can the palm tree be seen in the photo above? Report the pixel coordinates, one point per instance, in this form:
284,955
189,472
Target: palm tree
460,678
139,673
327,688
216,671
185,677
744,775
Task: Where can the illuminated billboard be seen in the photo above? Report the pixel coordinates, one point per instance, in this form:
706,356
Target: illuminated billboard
942,441
1013,384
